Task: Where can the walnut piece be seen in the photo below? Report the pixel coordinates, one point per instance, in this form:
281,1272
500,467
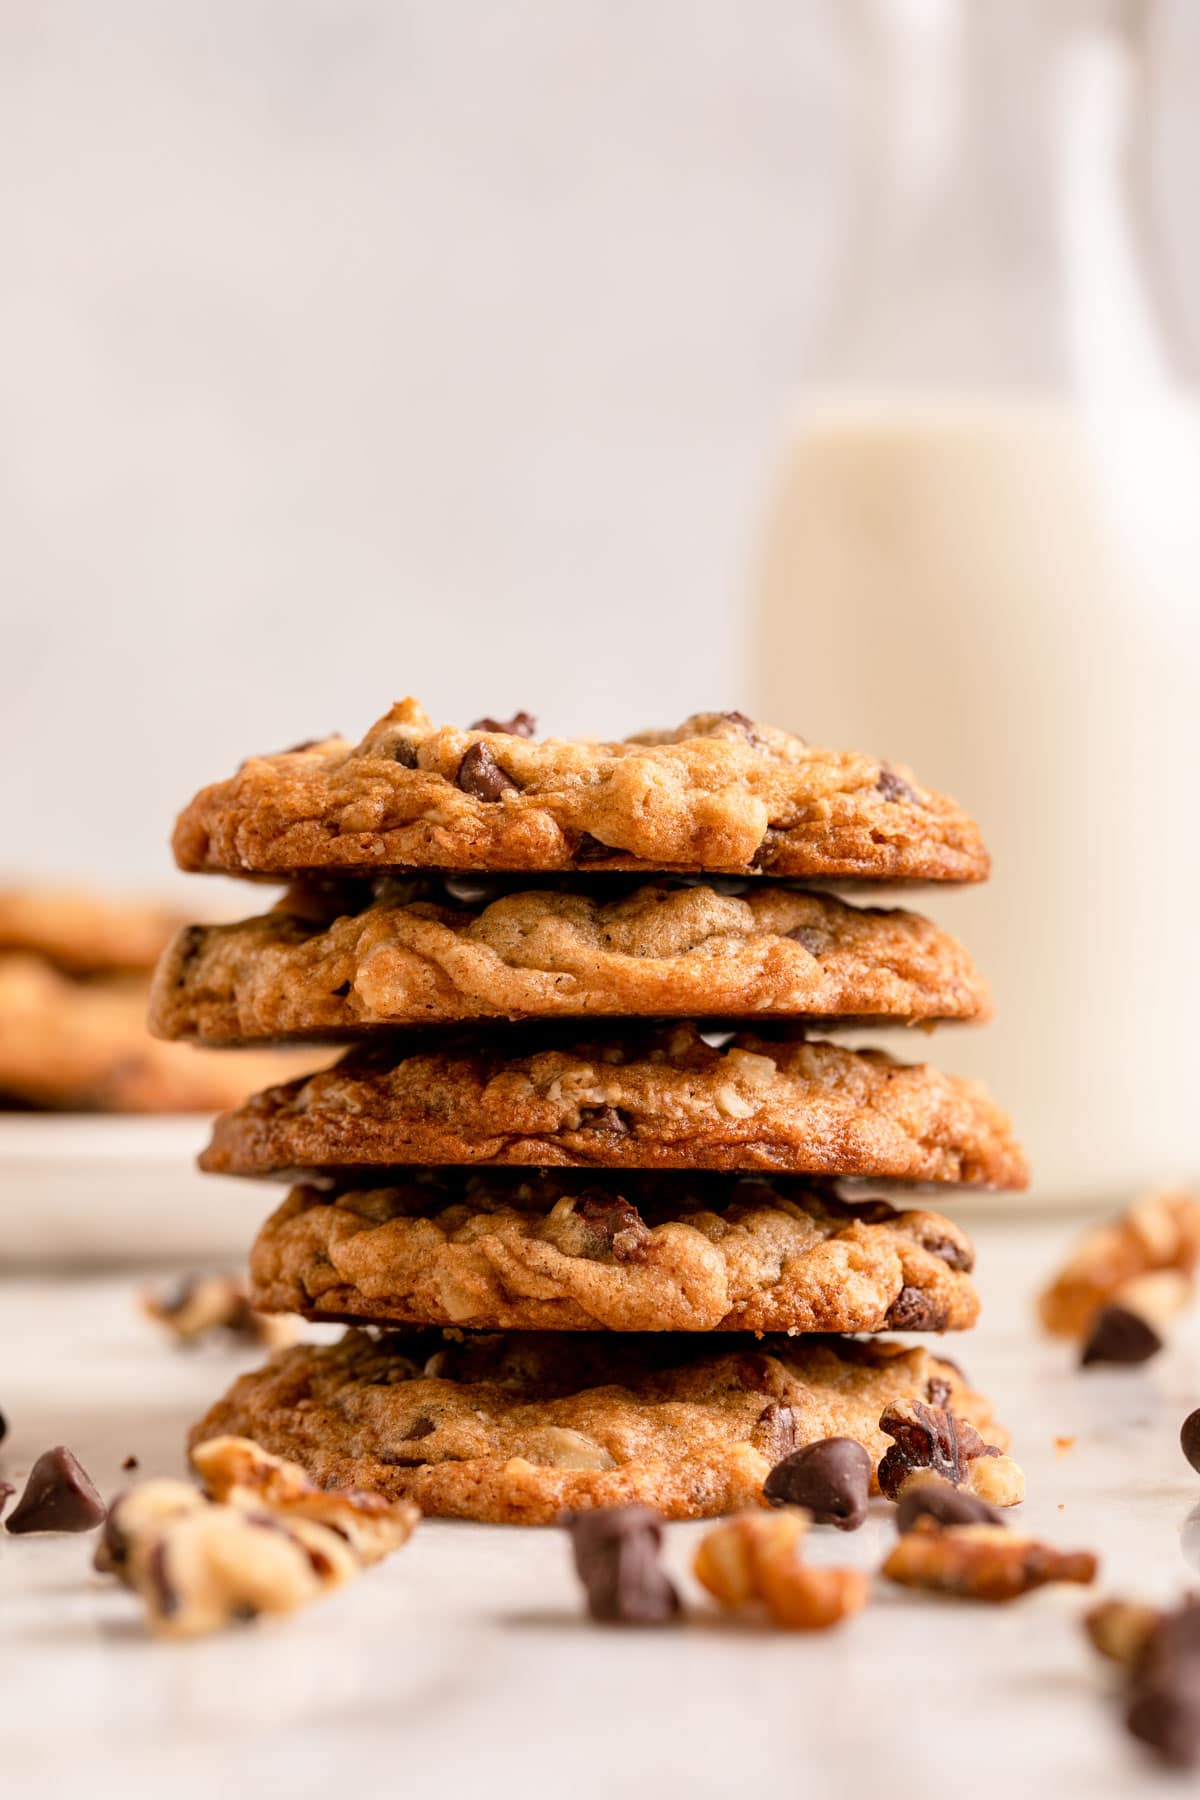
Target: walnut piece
241,1472
1160,1231
264,1540
1121,1629
925,1437
997,1479
212,1303
981,1562
755,1559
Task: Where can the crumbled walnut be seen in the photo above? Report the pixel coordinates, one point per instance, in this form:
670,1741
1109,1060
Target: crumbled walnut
210,1303
981,1562
242,1473
754,1559
1160,1231
925,1437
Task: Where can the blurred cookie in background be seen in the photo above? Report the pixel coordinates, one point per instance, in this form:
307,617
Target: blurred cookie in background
74,983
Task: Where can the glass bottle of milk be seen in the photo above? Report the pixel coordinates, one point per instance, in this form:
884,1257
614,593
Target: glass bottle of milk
981,556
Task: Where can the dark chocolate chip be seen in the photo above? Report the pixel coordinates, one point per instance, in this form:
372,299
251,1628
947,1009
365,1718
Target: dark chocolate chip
938,1391
894,787
421,1428
930,1439
756,1372
604,1118
1120,1336
808,935
749,728
405,754
955,1256
590,849
774,1433
521,724
914,1310
1165,1715
616,1558
1189,1438
340,991
3,1427
480,775
832,1478
942,1502
617,1228
59,1496
1174,1638
7,1490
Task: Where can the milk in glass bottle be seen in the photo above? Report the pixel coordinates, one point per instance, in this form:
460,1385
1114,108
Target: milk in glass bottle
981,556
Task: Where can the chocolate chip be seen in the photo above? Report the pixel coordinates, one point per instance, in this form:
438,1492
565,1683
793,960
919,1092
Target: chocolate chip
340,991
774,1433
590,849
3,1427
938,1391
955,1256
604,1118
894,787
480,775
521,724
832,1478
1120,1336
933,1498
616,1227
756,1372
914,1310
1165,1715
808,935
616,1558
925,1437
421,1428
405,754
1189,1438
59,1496
7,1490
750,730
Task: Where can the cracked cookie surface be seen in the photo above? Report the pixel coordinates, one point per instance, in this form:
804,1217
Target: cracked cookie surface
512,1429
720,794
652,1098
671,949
551,1252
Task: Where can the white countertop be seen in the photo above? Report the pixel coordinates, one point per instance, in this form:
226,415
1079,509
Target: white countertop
465,1665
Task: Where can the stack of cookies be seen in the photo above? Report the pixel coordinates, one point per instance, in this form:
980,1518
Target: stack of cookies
585,1188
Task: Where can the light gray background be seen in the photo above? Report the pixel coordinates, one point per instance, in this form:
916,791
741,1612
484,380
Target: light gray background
351,348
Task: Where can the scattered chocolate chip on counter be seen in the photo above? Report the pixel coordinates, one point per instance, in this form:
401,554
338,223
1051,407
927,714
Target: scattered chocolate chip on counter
203,1305
831,1479
1159,1652
616,1552
59,1496
1189,1439
7,1490
928,1496
1119,1336
1127,1279
3,1427
981,1562
754,1561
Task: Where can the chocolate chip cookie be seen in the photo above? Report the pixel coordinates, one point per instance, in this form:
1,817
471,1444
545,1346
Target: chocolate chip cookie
512,1429
655,1098
552,1251
83,932
419,953
719,794
83,1046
